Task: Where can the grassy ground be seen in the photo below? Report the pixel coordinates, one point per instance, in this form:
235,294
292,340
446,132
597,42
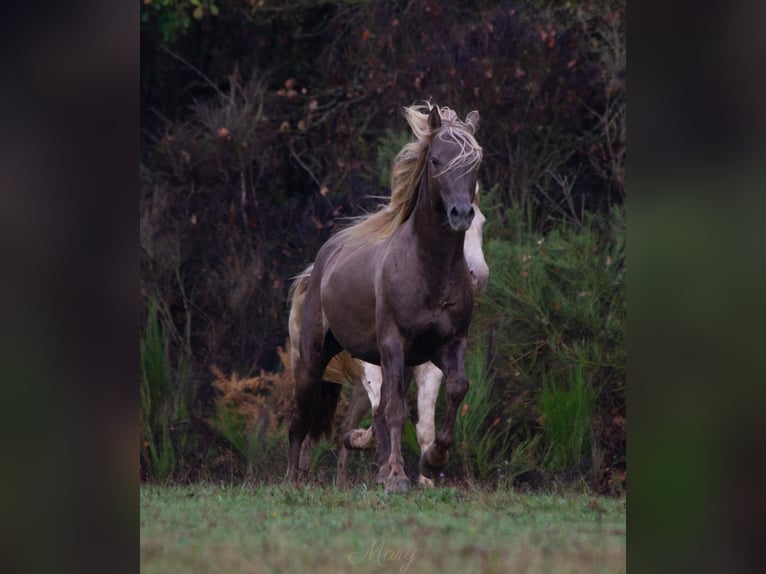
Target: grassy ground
228,529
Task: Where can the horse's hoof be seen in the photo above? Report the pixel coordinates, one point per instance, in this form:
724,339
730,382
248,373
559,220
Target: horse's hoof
398,484
383,473
425,482
432,461
396,480
359,439
295,476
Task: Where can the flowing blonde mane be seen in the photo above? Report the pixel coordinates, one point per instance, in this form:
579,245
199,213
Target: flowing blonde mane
407,169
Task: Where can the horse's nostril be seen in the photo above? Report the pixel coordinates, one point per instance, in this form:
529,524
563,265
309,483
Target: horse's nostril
460,216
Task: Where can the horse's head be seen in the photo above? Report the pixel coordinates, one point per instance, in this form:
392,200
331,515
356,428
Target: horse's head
472,250
452,167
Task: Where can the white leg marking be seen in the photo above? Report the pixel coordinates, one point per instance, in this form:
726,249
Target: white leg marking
372,381
428,378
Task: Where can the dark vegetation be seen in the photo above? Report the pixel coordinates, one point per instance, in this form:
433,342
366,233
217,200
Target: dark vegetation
266,123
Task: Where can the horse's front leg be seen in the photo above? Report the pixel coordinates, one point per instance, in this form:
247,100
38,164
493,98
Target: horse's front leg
381,431
395,410
451,360
429,379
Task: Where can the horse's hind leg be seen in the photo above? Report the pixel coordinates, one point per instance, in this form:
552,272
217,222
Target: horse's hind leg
371,382
299,422
451,360
358,406
314,403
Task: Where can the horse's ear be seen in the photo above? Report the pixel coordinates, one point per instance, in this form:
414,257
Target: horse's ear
434,119
472,120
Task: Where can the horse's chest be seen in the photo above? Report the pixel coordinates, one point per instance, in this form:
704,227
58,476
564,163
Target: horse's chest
425,308
449,317
440,317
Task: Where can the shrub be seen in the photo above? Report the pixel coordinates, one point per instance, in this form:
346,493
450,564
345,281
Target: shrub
555,304
482,436
163,399
250,413
566,410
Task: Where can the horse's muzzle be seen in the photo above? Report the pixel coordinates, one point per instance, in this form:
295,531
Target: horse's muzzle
460,217
479,277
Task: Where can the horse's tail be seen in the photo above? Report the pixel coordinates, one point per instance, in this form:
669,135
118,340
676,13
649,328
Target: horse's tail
322,402
343,369
321,415
296,295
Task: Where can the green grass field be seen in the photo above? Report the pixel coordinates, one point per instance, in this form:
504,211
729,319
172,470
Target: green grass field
261,529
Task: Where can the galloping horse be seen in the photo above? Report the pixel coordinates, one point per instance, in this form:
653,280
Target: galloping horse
367,378
394,290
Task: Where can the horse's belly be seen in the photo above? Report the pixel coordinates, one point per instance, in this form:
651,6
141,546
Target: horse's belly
359,346
348,306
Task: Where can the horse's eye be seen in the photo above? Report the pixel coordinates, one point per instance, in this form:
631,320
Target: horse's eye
435,162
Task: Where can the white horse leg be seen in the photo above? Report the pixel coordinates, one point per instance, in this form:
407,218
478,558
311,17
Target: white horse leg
429,379
361,438
372,381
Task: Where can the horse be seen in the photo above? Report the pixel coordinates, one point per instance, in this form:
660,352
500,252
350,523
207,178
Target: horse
394,290
368,377
427,376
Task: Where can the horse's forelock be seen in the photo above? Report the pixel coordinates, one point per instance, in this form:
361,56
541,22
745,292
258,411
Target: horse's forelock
470,154
452,128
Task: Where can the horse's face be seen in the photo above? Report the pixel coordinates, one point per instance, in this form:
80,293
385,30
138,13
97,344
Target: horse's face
474,255
453,165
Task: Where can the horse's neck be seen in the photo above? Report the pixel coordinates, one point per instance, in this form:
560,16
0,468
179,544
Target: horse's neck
438,245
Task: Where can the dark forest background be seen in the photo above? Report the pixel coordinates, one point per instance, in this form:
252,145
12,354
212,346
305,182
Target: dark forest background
265,123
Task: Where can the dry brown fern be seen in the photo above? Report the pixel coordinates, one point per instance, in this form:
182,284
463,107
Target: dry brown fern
266,397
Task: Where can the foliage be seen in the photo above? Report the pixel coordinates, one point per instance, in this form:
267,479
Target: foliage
162,398
388,147
566,291
566,412
204,233
483,438
251,414
174,17
555,304
524,459
410,437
